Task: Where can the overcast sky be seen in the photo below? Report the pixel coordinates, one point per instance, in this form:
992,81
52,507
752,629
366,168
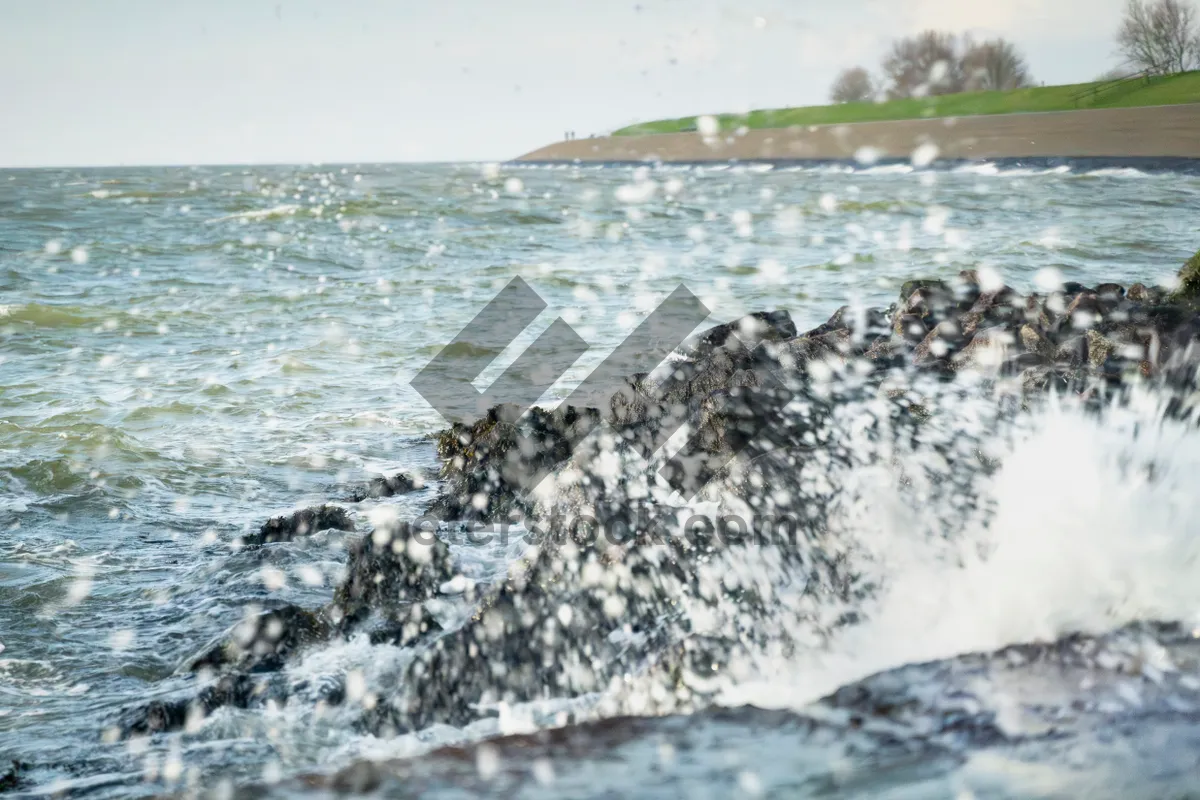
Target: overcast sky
244,81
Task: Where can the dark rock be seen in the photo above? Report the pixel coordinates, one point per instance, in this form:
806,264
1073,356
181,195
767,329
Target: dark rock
491,464
236,689
1084,311
262,642
839,321
1033,341
10,779
1141,293
943,341
388,486
932,288
1073,352
396,566
1189,280
301,523
746,333
911,328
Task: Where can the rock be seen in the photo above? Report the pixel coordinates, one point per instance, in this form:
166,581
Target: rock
1189,281
745,333
263,641
932,302
986,352
1140,293
1084,311
911,328
388,486
839,321
395,567
944,340
301,523
1099,349
1035,313
10,779
932,286
491,464
795,354
158,716
1034,342
631,403
1073,352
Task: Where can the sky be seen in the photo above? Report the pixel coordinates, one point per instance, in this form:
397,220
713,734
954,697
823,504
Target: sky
107,82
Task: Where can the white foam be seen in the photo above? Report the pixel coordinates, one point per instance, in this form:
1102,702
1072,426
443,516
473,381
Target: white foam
1084,539
285,210
1117,172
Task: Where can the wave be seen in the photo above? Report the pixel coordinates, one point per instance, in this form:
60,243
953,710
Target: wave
1117,172
1095,526
275,212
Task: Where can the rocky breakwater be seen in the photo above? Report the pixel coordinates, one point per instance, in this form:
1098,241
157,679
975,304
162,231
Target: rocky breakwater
623,585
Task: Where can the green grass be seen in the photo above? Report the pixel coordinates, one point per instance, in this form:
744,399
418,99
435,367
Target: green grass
1166,90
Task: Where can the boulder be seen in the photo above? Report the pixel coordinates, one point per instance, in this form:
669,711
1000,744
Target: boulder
395,567
304,522
388,486
1189,281
262,642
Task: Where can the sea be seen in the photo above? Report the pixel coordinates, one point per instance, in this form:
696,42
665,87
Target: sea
186,352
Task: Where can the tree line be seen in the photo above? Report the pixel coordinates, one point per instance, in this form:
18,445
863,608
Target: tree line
1156,37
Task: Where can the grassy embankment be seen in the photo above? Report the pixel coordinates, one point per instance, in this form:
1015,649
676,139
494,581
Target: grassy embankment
1165,90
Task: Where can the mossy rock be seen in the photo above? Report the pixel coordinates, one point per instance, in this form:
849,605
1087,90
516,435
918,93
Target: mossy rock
1189,280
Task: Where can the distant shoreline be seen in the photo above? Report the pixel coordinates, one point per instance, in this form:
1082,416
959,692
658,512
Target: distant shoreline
1111,135
1179,165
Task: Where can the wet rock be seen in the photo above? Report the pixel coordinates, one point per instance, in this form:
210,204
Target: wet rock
402,629
236,689
944,340
11,778
911,328
928,287
1033,341
1140,293
388,486
1042,379
489,465
1099,349
986,351
932,301
263,641
631,403
839,321
398,565
301,523
1189,281
745,333
1084,311
1073,352
795,354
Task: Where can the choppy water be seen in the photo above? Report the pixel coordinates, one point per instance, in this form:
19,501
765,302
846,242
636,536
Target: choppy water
184,352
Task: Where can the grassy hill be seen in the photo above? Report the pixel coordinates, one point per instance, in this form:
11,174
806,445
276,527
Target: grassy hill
1165,90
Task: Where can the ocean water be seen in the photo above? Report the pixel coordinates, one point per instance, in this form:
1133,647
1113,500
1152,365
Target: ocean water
186,351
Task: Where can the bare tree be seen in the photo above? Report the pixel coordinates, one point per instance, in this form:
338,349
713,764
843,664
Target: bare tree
925,64
853,85
1160,37
994,65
